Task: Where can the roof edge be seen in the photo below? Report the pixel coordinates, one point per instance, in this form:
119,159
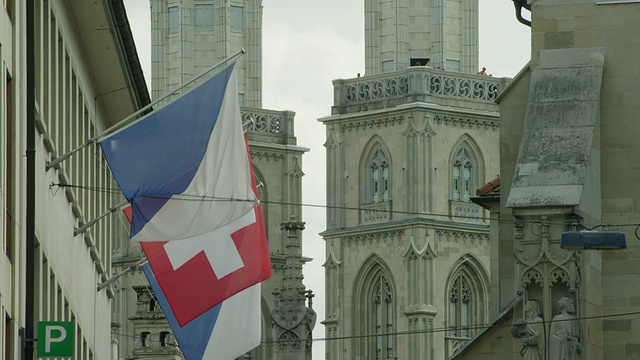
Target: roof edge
128,52
526,68
497,322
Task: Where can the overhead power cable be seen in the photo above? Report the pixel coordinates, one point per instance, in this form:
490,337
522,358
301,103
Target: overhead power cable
438,329
351,208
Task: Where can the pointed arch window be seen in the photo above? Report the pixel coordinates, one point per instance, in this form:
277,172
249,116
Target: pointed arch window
460,299
466,303
379,176
464,174
382,316
374,312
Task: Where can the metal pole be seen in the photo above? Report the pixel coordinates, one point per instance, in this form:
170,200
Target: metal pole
89,224
126,120
117,276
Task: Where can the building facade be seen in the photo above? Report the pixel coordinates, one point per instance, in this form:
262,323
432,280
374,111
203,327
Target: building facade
188,37
568,148
76,99
407,252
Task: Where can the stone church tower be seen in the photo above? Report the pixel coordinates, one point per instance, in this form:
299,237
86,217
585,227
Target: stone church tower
188,37
401,33
407,251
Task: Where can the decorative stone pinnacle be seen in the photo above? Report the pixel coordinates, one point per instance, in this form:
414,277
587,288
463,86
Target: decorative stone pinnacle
292,224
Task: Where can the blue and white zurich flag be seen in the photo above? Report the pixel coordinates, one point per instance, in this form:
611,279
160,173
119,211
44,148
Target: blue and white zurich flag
184,168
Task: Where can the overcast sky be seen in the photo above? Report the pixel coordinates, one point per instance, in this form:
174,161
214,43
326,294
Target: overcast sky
306,45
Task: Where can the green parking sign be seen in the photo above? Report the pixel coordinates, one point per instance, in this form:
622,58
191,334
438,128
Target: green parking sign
55,339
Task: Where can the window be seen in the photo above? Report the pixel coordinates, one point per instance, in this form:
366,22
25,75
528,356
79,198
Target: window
204,17
382,313
241,99
459,298
8,337
463,176
466,300
173,21
374,302
144,339
9,161
379,175
164,338
237,18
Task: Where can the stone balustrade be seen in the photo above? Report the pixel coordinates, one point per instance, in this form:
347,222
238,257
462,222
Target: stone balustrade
415,84
269,125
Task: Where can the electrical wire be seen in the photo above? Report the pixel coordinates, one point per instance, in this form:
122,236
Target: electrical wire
350,208
434,330
356,208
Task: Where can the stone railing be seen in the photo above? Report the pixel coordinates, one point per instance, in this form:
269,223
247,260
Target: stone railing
269,124
377,212
454,344
468,212
414,84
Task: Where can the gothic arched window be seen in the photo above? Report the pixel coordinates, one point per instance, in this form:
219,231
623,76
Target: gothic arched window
466,301
379,176
464,175
460,299
382,314
374,302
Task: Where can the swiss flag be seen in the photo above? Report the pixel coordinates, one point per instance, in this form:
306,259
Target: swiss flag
211,267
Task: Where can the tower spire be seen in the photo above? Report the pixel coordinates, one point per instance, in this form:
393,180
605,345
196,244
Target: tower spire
293,320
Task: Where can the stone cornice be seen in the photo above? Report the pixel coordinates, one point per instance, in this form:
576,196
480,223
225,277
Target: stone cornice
373,124
267,155
370,238
466,122
456,235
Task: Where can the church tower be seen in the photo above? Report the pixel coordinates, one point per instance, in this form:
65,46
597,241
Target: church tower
408,144
189,36
401,33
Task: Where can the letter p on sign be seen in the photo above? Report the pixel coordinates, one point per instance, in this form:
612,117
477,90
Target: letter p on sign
55,339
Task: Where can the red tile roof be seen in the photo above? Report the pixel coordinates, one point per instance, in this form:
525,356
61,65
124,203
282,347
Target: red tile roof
490,188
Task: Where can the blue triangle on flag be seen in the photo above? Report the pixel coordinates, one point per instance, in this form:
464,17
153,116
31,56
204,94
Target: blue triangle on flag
194,336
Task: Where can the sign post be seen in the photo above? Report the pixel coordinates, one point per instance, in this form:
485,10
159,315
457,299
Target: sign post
56,339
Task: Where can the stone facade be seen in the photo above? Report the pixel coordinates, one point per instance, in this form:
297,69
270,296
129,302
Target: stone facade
567,142
407,252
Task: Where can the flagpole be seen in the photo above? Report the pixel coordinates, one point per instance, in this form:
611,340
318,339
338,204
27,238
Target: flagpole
89,224
126,120
117,276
